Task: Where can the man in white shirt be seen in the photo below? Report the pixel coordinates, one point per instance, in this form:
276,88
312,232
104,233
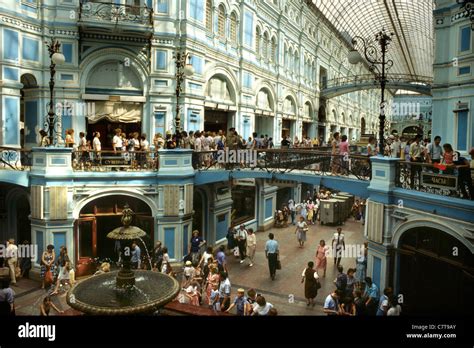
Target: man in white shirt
291,206
12,259
395,146
97,147
117,141
434,151
338,246
241,237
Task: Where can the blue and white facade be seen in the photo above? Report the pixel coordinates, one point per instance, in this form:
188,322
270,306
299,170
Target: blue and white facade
259,65
453,89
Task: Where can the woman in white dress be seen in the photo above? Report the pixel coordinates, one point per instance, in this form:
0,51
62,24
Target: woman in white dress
301,229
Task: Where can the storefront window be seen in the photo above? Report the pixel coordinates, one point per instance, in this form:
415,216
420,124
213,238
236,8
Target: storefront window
243,207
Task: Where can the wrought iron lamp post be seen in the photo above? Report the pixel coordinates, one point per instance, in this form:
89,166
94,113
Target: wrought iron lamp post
468,5
56,58
379,65
183,70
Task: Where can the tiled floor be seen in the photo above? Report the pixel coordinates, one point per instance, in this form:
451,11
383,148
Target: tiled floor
286,292
287,285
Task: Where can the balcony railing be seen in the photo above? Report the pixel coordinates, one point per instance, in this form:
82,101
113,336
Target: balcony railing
454,181
106,161
15,159
115,13
285,161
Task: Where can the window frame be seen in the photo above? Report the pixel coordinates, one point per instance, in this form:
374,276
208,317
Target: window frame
460,40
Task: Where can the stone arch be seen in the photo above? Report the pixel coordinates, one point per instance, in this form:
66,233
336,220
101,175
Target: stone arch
29,81
12,199
265,85
453,230
322,114
223,73
290,96
311,108
94,59
225,4
334,115
363,126
114,192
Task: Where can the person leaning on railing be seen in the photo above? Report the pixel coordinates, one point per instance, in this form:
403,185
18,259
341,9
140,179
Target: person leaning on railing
97,147
416,153
44,138
464,175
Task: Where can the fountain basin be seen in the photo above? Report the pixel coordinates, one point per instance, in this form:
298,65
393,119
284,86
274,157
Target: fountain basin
98,295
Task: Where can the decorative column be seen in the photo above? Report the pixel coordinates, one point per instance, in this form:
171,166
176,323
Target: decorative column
51,188
267,200
377,225
175,207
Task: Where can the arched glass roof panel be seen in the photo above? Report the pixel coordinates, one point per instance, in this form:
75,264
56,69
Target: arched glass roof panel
411,21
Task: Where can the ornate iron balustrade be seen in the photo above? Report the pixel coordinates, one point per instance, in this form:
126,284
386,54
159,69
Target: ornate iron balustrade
286,161
15,159
369,78
112,12
455,181
106,161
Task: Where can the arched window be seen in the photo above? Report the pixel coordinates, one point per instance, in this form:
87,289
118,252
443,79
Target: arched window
297,61
257,41
209,15
265,46
221,22
273,54
233,28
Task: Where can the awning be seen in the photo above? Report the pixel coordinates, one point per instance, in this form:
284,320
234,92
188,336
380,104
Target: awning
120,112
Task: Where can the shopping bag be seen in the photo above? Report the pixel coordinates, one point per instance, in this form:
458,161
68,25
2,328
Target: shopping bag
278,264
48,277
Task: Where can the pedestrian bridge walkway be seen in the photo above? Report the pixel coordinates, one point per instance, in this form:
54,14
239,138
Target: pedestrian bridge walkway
349,84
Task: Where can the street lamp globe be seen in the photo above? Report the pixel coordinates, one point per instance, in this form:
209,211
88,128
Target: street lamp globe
188,70
354,57
58,58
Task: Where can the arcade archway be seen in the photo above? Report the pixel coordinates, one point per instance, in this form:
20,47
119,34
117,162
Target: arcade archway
435,273
97,218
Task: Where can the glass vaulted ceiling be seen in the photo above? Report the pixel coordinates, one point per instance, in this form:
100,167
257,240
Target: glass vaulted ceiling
410,20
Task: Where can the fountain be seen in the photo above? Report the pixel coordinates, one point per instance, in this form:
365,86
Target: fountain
124,292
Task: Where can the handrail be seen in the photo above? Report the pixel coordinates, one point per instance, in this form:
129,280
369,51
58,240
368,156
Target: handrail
106,160
110,11
285,161
369,78
15,159
457,177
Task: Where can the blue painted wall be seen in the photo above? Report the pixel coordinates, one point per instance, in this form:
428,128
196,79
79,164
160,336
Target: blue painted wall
221,229
160,122
268,208
377,270
185,239
11,118
67,51
30,49
169,241
59,239
10,73
10,44
40,243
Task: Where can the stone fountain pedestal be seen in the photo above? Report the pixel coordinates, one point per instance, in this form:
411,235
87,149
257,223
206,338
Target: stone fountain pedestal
124,292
